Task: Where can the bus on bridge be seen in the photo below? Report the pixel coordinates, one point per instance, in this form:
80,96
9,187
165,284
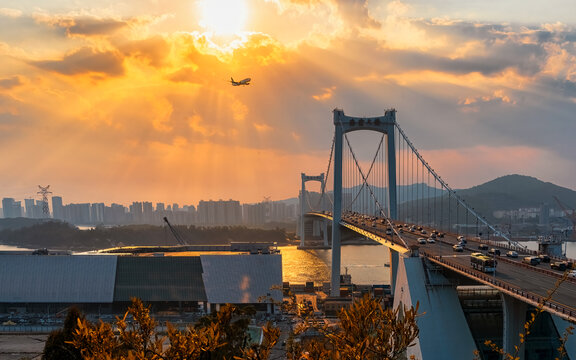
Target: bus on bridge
482,262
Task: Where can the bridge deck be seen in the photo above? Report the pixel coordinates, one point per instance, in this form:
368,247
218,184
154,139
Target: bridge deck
531,284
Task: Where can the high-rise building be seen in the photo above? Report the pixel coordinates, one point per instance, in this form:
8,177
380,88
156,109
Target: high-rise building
115,214
57,208
219,212
147,213
97,213
79,214
29,207
136,212
12,208
254,214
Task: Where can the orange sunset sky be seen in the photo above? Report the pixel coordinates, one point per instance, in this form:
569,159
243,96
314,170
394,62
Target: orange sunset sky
121,101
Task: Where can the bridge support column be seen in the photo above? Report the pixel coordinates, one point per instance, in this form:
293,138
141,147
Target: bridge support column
301,228
304,208
514,318
316,228
325,231
444,332
337,210
393,269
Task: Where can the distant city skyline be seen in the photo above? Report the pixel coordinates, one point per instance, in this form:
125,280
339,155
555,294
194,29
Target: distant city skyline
117,101
205,213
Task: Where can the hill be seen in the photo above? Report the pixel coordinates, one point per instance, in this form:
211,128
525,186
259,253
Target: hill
517,191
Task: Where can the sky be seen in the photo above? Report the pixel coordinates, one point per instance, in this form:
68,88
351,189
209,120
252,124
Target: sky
121,101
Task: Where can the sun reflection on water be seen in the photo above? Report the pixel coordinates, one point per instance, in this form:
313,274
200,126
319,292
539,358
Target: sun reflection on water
366,264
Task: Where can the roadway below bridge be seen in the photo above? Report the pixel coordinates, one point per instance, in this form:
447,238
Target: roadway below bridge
530,283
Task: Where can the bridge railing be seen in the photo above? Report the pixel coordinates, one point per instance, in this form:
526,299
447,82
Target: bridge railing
535,299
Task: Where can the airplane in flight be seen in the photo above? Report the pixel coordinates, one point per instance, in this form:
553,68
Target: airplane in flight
241,82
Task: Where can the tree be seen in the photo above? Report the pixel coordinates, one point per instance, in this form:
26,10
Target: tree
366,331
57,345
222,335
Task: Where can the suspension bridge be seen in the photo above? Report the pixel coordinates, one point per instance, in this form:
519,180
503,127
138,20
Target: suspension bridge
397,199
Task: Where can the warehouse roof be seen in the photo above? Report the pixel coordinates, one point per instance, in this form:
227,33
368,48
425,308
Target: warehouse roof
159,278
241,279
57,279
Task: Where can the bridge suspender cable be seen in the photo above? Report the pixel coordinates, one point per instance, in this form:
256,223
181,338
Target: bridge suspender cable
450,191
365,182
369,170
323,191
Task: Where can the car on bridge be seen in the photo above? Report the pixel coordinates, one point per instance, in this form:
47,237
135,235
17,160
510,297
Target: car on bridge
512,254
532,260
494,251
544,258
431,240
421,241
482,247
457,248
558,265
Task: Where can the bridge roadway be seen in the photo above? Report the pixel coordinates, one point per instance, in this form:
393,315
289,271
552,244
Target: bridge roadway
528,283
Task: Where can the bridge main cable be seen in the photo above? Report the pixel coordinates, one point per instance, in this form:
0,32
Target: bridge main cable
451,191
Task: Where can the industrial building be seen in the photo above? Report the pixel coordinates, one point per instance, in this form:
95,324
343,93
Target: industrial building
167,281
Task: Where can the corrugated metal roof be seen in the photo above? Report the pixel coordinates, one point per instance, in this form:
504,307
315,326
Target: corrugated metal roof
57,279
241,279
154,278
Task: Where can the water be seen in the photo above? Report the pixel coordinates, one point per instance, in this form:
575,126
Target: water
367,264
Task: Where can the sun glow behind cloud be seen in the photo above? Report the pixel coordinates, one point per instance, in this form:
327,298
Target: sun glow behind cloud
223,17
139,98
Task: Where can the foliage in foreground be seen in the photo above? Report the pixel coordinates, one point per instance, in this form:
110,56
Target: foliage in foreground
58,345
367,331
219,336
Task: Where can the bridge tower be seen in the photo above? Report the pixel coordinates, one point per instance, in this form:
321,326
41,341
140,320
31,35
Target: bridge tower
344,124
303,210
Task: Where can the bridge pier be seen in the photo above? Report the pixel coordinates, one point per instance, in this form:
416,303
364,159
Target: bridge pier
514,318
393,269
303,208
444,331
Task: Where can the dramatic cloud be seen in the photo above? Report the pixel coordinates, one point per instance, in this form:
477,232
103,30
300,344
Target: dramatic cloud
84,61
10,82
134,99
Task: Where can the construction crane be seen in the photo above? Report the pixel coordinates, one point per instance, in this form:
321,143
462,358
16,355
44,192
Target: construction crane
570,214
175,232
